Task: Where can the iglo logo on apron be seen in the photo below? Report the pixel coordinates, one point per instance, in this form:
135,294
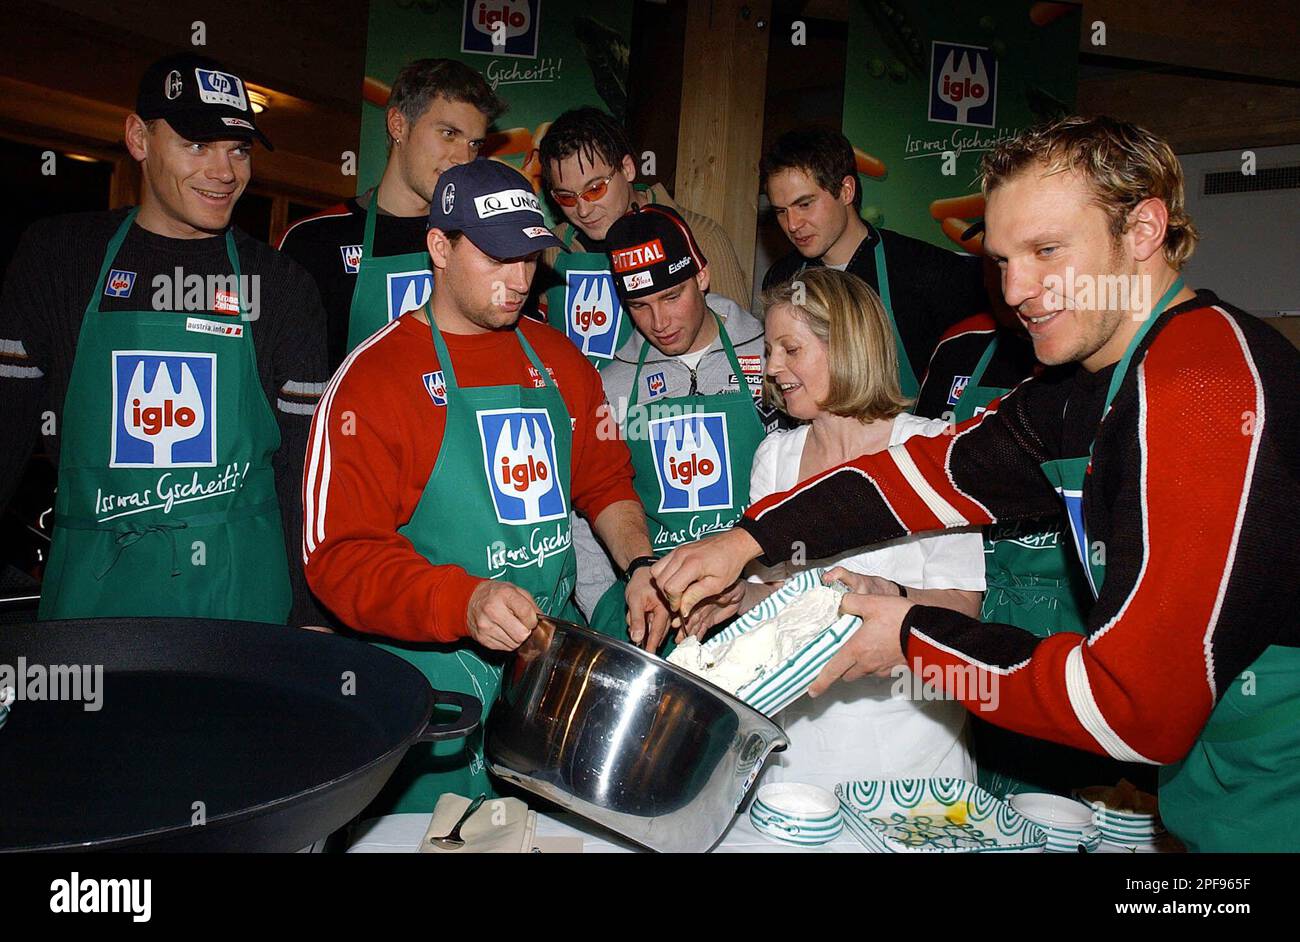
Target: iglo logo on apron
351,258
164,410
958,387
592,312
692,461
436,384
519,458
408,290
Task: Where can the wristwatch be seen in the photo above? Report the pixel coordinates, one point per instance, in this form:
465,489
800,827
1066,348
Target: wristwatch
639,563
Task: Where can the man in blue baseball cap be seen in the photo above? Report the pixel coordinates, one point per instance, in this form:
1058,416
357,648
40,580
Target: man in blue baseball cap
447,455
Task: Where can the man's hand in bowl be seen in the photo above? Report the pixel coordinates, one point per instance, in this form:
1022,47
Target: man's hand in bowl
501,616
703,569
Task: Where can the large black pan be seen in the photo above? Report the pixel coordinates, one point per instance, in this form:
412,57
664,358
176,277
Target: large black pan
212,735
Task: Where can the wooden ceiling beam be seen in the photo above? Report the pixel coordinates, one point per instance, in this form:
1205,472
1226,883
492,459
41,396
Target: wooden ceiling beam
1255,38
1197,114
39,113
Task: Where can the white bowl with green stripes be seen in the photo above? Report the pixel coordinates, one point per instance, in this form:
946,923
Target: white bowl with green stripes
1068,824
795,813
776,689
1121,827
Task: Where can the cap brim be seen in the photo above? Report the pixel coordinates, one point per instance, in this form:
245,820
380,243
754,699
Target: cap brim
510,240
207,128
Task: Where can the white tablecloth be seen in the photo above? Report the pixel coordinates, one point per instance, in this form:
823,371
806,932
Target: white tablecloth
402,833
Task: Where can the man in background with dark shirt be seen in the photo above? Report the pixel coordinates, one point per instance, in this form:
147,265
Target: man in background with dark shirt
372,268
172,364
811,180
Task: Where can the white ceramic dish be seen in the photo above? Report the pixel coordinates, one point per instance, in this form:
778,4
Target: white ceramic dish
1055,811
939,815
794,813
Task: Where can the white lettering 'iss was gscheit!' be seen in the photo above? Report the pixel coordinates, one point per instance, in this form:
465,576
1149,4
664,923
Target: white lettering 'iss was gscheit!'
75,895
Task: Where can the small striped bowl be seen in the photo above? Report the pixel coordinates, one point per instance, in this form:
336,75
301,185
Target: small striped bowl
1067,824
1130,838
1125,828
816,821
1061,841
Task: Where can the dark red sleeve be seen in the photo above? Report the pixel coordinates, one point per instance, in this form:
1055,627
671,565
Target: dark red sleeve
367,463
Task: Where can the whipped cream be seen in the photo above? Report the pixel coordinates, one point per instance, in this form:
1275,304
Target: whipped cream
746,658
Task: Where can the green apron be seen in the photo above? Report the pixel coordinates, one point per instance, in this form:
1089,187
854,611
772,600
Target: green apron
906,376
1030,583
692,456
585,306
387,287
513,526
166,501
1237,788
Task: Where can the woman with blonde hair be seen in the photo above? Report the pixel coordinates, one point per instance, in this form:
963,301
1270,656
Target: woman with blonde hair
832,365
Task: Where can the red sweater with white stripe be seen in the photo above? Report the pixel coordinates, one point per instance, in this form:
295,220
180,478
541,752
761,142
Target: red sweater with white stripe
1192,495
374,441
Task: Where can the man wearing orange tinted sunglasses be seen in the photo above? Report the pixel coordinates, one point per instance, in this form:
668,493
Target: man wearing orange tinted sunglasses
589,173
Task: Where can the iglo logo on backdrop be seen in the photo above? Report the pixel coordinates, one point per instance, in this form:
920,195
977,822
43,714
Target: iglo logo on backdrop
519,27
963,84
164,410
592,312
519,459
692,461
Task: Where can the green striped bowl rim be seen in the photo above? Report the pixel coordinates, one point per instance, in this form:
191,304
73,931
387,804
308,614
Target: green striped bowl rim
814,822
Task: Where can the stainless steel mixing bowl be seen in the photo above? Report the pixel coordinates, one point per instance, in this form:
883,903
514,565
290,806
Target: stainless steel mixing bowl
626,739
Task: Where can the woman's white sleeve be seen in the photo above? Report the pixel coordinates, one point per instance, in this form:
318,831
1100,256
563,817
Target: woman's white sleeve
953,560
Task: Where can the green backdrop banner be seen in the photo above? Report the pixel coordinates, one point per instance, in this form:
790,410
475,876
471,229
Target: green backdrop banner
930,85
556,55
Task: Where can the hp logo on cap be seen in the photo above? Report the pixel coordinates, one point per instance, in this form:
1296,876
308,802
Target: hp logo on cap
448,198
172,88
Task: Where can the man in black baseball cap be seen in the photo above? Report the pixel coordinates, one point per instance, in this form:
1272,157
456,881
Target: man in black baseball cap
192,132
182,359
703,353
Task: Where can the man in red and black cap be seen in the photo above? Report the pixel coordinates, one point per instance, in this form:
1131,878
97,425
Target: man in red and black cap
181,360
685,391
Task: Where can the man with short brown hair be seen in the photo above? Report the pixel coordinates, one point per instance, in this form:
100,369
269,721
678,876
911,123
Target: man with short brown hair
372,267
811,179
1170,429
